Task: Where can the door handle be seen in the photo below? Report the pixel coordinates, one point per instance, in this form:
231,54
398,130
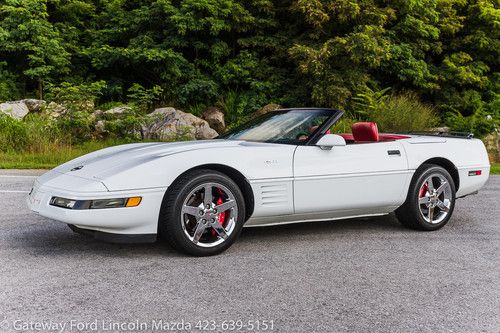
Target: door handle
394,152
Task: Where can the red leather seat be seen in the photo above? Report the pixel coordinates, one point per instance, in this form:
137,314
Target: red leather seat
365,132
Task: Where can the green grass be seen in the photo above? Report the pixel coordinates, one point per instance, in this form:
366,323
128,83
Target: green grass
495,169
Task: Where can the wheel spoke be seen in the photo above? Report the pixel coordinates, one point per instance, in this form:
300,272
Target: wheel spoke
190,210
431,214
225,206
442,206
200,228
430,185
441,188
423,200
219,229
208,198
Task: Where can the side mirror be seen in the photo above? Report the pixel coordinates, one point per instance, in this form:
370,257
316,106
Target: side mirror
328,141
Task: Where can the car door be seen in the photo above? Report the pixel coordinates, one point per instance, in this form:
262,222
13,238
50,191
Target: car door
356,179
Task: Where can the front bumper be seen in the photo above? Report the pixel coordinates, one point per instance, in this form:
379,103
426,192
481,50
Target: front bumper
140,220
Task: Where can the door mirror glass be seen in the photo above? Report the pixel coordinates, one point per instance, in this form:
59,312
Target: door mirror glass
328,141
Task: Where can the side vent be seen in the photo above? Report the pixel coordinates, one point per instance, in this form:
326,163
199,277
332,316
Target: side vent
273,194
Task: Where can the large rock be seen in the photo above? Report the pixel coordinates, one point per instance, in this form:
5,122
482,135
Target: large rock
492,143
265,109
118,110
170,124
55,110
17,110
100,127
441,129
215,119
34,105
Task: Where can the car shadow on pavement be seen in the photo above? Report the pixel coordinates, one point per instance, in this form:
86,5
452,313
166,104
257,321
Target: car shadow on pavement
346,226
53,239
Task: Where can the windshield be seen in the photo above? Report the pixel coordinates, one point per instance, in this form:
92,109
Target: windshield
289,127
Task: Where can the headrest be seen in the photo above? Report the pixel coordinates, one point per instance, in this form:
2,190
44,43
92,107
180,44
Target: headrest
365,132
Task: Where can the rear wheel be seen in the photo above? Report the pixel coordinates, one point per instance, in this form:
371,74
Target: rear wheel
430,201
202,213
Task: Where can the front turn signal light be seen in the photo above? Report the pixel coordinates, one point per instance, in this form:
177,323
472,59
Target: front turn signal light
95,204
133,202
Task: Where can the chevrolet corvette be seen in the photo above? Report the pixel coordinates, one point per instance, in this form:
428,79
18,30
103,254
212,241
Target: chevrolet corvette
283,167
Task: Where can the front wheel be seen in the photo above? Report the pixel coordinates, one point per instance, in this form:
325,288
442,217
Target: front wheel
430,201
202,213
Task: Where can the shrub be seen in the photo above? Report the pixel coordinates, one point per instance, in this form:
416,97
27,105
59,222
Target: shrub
196,109
35,133
78,125
404,112
479,123
238,106
76,97
144,99
368,101
233,107
395,113
343,125
197,91
127,125
44,133
13,134
109,105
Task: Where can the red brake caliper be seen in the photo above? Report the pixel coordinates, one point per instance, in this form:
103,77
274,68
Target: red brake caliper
222,216
424,189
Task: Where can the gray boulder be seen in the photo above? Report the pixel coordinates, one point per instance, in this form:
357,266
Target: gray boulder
17,110
118,110
441,129
100,127
492,143
34,105
55,110
215,118
170,124
265,109
97,114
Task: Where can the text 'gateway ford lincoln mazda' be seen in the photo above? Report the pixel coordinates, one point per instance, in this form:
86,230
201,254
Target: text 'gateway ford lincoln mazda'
284,167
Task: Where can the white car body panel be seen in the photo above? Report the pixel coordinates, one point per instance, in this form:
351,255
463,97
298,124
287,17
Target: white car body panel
357,177
289,183
465,154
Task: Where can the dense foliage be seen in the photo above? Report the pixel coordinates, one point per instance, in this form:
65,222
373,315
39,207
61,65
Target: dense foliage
243,54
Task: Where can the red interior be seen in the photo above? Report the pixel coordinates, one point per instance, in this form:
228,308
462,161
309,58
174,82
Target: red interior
364,132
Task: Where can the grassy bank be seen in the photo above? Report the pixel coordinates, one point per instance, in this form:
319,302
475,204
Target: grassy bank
495,169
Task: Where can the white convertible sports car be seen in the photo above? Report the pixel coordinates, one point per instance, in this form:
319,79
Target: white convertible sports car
283,167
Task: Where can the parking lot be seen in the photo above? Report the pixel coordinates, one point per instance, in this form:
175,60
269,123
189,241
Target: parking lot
363,275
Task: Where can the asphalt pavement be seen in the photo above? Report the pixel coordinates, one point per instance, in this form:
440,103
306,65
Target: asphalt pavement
361,275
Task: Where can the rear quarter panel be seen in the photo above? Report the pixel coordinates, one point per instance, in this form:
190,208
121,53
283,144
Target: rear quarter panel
466,154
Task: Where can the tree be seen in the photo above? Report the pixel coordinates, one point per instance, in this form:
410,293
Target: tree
31,43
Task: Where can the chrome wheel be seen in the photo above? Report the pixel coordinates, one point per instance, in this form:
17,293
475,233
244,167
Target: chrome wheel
209,214
435,198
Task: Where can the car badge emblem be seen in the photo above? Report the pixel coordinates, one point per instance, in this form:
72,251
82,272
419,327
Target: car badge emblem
77,168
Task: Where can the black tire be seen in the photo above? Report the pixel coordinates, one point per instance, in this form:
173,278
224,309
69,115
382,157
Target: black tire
409,214
170,224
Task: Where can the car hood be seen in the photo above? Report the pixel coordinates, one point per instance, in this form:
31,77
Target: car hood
100,164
